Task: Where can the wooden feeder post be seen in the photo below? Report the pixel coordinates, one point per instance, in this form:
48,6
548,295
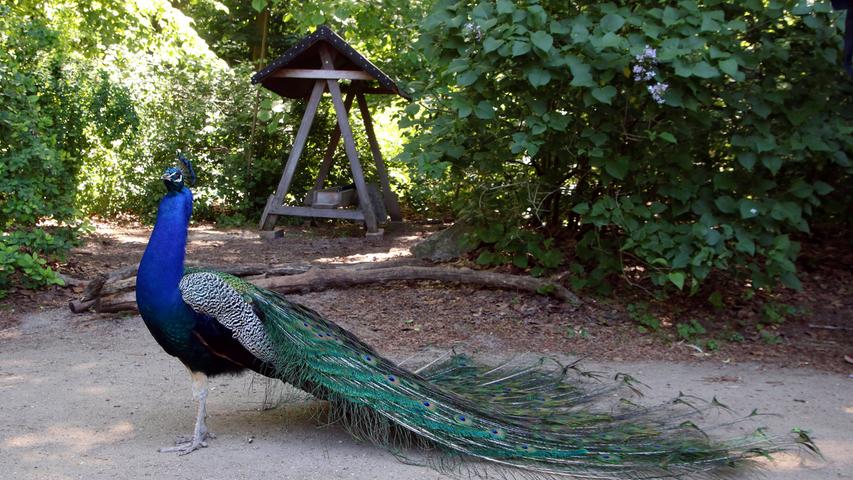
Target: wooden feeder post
314,65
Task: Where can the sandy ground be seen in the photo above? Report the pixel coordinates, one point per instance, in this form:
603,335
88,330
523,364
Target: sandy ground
89,397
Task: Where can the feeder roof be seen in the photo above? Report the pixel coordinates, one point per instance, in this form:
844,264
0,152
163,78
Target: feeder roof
306,55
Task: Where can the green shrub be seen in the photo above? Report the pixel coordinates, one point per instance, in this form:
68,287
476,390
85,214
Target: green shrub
662,140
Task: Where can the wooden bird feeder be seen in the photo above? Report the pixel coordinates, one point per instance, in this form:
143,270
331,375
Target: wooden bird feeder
314,65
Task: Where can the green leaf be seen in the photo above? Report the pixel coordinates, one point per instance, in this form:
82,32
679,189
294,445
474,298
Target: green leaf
670,16
772,162
747,159
542,40
413,108
712,237
520,260
801,189
581,208
520,47
538,76
746,245
748,209
604,94
610,40
506,6
580,73
579,33
491,44
467,78
612,22
668,137
617,166
726,204
484,110
822,188
705,70
259,5
729,67
677,279
485,258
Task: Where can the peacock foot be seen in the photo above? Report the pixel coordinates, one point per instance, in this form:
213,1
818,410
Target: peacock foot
187,445
182,439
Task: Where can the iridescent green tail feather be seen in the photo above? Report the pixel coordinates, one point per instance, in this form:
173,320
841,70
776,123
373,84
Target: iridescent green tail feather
541,420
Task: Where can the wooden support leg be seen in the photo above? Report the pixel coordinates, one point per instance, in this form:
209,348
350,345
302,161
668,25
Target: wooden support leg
268,219
330,150
298,145
349,145
388,196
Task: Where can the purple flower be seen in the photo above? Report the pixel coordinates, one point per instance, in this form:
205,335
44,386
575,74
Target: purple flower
657,90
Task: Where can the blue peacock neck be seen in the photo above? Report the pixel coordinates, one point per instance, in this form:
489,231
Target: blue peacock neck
162,264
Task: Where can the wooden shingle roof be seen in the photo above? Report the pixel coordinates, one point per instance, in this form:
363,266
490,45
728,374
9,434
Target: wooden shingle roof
306,55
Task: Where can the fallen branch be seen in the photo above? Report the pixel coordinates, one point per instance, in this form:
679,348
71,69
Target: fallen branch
118,294
318,279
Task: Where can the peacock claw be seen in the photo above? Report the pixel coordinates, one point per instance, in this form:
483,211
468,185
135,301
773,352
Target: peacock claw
184,448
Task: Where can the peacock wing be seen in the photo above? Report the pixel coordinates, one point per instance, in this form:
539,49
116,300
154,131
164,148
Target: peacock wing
228,324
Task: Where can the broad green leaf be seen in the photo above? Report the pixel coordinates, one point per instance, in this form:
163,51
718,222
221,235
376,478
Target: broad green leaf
677,279
708,23
559,28
538,76
617,166
542,40
580,73
506,6
491,44
748,209
581,208
604,94
772,162
413,108
668,137
520,47
726,204
712,237
747,159
822,188
705,70
729,67
670,16
259,5
610,40
612,22
484,110
467,78
801,189
580,33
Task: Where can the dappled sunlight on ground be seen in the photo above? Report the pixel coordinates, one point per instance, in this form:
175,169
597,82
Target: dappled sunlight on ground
71,438
367,257
838,454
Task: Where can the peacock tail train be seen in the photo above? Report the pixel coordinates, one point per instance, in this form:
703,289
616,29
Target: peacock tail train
529,417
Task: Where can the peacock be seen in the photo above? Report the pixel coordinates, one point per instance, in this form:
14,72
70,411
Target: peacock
540,420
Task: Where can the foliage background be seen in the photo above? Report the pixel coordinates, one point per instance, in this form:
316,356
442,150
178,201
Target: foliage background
528,124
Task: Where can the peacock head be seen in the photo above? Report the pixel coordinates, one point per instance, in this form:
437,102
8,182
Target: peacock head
173,177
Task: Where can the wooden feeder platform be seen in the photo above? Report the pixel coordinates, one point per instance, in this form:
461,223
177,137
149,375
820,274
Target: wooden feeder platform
317,64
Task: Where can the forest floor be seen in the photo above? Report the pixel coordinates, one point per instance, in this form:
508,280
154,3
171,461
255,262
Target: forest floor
92,395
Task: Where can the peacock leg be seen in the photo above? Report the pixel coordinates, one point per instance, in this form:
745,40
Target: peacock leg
185,445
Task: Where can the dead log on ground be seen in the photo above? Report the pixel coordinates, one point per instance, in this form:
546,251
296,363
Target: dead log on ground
117,295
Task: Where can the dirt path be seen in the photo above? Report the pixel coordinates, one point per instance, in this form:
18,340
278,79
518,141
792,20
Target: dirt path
87,397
